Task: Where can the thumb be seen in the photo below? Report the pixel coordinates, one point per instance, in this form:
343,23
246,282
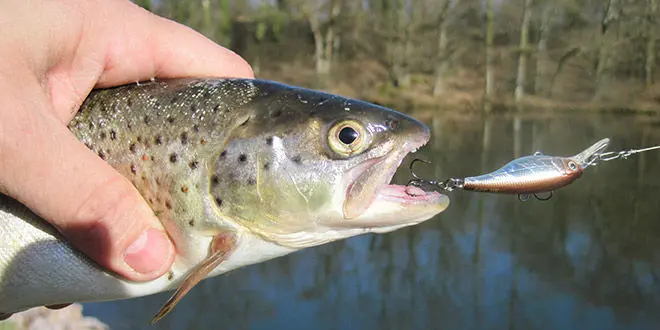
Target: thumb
46,168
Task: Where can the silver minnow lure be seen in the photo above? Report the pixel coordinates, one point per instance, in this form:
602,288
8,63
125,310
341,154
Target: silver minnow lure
529,175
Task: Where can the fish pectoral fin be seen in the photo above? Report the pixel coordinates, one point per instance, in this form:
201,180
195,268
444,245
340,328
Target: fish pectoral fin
221,247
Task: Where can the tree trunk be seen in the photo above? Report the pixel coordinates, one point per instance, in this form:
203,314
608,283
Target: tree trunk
650,42
543,69
442,63
522,58
207,27
604,65
490,75
324,43
442,56
400,28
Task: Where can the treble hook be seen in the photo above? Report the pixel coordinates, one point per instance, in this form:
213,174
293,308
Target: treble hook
417,181
412,164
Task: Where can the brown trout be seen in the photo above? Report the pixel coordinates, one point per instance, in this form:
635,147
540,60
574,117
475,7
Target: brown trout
238,171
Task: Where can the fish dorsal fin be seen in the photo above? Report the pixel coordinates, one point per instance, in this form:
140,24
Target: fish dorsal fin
221,247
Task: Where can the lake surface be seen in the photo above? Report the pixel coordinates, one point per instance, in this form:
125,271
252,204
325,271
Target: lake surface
589,258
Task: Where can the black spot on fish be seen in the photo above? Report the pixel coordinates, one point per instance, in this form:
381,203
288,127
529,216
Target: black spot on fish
168,205
193,107
133,169
158,140
102,154
218,201
132,147
297,159
91,125
277,113
129,102
266,166
173,158
242,158
214,180
184,138
223,153
195,128
216,108
174,99
170,120
153,158
184,189
269,140
102,136
113,135
146,120
139,138
170,275
191,222
251,182
193,165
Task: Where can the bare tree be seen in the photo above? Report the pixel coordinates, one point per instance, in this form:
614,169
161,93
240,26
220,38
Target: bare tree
490,74
604,65
543,61
322,17
443,53
524,51
651,21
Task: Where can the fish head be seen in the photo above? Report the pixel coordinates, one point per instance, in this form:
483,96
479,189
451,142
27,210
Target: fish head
306,167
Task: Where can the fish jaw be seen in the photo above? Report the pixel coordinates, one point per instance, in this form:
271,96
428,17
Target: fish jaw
372,202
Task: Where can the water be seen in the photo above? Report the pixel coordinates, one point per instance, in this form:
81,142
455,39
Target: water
587,259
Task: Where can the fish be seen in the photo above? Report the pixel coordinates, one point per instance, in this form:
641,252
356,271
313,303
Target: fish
239,171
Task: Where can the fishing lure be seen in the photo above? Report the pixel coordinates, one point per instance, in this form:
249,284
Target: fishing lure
537,175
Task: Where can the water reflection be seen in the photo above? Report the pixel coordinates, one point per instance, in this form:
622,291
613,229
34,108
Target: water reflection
587,259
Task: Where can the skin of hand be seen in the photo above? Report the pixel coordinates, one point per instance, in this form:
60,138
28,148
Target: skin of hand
53,53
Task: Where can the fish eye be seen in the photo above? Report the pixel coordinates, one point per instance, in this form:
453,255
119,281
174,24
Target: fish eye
348,135
347,138
572,165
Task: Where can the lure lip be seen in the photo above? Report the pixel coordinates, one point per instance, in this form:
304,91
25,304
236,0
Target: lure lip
586,157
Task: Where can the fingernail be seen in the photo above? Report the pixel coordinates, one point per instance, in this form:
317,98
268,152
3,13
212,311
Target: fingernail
148,252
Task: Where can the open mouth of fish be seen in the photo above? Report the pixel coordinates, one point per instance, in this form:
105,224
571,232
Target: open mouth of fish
371,192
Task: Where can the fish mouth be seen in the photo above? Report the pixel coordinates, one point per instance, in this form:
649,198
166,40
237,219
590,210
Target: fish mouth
373,201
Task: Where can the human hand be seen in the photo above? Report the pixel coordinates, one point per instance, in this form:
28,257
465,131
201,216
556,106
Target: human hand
52,54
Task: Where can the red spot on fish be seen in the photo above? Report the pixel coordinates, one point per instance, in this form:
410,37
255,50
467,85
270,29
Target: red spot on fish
145,157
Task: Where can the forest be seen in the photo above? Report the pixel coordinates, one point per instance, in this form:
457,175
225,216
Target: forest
452,55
